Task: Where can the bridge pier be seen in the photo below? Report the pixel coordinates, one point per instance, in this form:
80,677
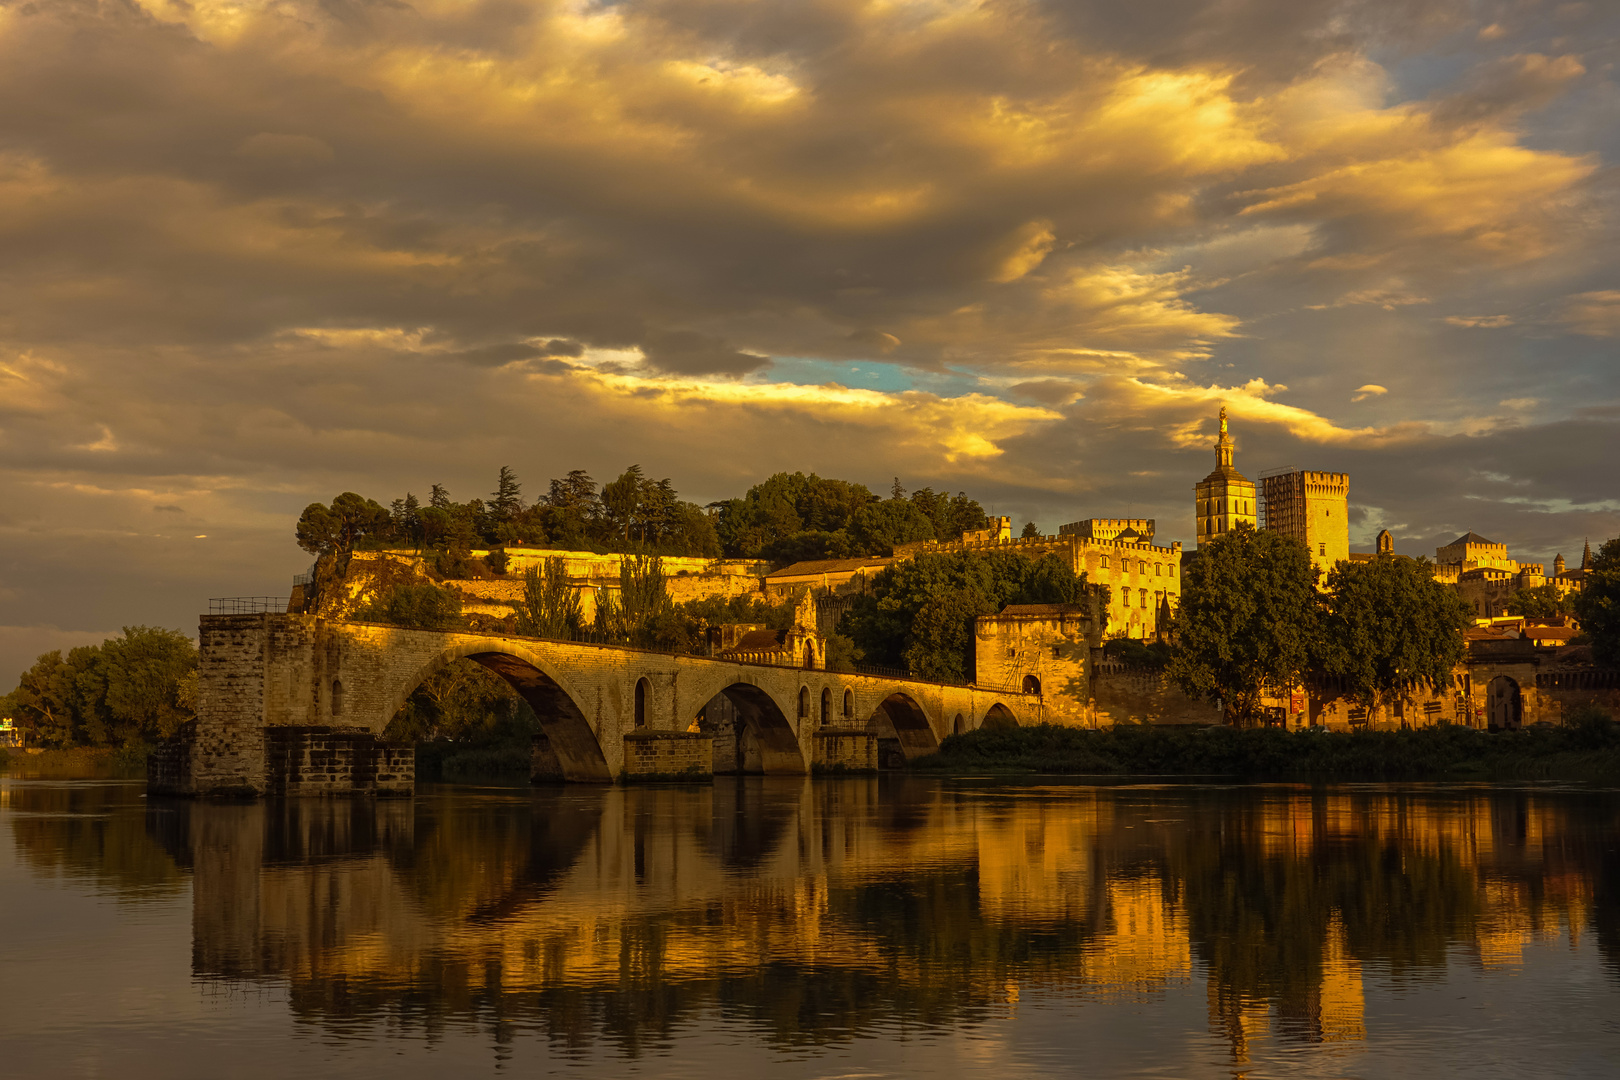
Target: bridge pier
297,704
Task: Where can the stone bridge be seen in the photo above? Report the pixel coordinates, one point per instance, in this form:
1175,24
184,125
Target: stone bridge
295,704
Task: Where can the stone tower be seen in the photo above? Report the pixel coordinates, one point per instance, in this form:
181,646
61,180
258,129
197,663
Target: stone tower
1558,564
1586,556
1386,542
1313,508
1225,498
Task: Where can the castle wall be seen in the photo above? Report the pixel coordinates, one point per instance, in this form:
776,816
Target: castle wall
1136,695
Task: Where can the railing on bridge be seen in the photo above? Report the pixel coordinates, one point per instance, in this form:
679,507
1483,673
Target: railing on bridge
246,605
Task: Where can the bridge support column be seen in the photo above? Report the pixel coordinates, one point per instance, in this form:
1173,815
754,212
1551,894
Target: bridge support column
262,727
667,755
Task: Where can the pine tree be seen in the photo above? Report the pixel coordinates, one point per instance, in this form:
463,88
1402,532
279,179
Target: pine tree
507,501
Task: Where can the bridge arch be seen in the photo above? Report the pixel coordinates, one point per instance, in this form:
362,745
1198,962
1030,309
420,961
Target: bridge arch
752,732
898,717
998,718
569,746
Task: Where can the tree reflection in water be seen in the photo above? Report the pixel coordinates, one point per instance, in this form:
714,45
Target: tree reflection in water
819,911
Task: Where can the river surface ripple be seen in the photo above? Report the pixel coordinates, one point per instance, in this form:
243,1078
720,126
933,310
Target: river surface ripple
827,928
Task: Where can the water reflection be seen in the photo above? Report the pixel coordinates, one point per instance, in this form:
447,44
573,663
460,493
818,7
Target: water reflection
818,911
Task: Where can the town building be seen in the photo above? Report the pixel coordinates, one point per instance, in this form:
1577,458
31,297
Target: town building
1225,498
1312,507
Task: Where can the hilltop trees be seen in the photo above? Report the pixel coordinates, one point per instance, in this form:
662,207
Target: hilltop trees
1387,624
1248,621
791,517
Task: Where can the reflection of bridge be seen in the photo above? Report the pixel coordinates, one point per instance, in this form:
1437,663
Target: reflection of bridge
297,703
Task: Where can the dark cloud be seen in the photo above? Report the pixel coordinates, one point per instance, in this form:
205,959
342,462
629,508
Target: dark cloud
239,244
686,352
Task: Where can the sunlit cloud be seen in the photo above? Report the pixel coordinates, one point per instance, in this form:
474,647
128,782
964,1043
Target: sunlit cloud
255,254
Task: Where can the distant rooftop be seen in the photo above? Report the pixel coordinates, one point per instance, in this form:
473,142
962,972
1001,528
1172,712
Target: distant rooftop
1471,537
829,566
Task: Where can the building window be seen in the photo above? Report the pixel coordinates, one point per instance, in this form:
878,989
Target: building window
337,697
1057,652
1143,568
1105,562
641,703
1032,685
849,703
804,702
1126,593
826,707
1144,597
1321,549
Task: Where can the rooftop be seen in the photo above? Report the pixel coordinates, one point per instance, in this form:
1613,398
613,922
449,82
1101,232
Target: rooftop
1043,609
1472,537
829,566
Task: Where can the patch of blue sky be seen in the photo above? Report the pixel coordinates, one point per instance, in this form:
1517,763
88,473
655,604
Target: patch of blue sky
868,375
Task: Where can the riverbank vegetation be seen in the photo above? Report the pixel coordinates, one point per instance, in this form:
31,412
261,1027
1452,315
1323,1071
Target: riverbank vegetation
1587,748
129,691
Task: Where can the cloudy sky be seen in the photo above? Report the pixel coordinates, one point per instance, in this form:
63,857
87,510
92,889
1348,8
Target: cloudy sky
257,252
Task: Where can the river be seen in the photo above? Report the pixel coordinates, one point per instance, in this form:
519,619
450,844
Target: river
829,928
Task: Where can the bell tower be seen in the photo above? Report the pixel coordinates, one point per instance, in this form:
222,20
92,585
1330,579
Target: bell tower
1225,498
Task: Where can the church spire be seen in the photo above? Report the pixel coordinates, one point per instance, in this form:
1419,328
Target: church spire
1223,445
1586,556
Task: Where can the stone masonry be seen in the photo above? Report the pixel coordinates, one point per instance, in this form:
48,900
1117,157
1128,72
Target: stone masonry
284,700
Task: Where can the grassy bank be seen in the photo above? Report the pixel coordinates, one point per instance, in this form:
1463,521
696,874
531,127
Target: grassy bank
1589,751
75,763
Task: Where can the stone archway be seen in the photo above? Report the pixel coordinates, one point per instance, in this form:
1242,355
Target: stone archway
751,733
567,748
1504,705
902,730
999,718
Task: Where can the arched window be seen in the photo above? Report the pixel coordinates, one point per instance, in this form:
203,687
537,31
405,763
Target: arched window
641,703
826,707
804,702
337,697
1032,685
809,655
849,704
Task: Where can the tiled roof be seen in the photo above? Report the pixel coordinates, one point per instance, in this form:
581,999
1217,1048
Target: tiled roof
758,641
1471,537
1043,609
828,566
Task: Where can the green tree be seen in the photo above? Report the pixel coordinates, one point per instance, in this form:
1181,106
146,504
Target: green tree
1030,530
423,606
1247,622
785,505
1541,602
919,614
642,613
1599,604
879,527
48,701
507,500
551,606
1389,625
337,529
621,498
146,673
950,516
